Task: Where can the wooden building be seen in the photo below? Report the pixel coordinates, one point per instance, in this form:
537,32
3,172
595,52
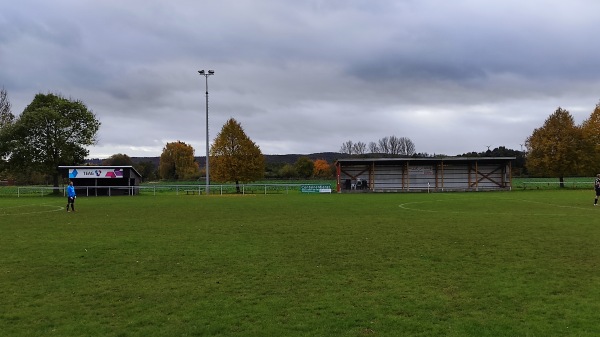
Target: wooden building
424,174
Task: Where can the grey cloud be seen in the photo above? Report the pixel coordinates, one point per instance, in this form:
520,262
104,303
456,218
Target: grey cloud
305,76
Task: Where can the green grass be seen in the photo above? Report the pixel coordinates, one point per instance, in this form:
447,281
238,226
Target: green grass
521,263
553,183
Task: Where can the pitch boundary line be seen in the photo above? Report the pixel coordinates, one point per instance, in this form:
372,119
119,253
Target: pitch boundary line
55,208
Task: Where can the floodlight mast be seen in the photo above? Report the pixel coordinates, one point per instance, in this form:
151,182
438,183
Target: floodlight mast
206,74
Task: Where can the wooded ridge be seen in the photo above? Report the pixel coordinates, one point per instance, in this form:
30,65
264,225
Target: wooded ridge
330,157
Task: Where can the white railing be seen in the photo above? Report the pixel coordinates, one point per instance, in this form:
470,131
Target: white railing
158,189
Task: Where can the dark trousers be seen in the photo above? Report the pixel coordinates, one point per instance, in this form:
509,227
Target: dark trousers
71,201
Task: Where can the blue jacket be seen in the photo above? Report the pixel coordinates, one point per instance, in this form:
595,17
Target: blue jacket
70,191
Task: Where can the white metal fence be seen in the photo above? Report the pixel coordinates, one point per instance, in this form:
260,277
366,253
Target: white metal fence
158,189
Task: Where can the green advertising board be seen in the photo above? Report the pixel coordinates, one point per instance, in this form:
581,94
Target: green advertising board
315,188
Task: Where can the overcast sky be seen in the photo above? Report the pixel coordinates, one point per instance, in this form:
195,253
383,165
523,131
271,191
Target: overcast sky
307,76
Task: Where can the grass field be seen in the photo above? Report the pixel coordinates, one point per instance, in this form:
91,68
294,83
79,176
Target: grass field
521,263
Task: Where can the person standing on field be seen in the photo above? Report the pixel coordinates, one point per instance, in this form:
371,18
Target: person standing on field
597,187
71,196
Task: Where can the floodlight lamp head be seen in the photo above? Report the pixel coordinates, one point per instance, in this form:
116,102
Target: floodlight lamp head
201,72
211,72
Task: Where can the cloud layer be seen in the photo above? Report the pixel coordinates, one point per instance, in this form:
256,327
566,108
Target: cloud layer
306,76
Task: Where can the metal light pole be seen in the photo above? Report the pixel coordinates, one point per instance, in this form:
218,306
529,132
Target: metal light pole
206,74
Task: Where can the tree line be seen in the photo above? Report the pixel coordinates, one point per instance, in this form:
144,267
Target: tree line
560,148
392,145
55,131
303,167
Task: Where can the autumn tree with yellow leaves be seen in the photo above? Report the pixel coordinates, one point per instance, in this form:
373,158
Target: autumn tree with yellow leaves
235,157
177,162
560,148
591,132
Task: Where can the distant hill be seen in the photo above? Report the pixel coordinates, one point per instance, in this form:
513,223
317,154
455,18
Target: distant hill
330,157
